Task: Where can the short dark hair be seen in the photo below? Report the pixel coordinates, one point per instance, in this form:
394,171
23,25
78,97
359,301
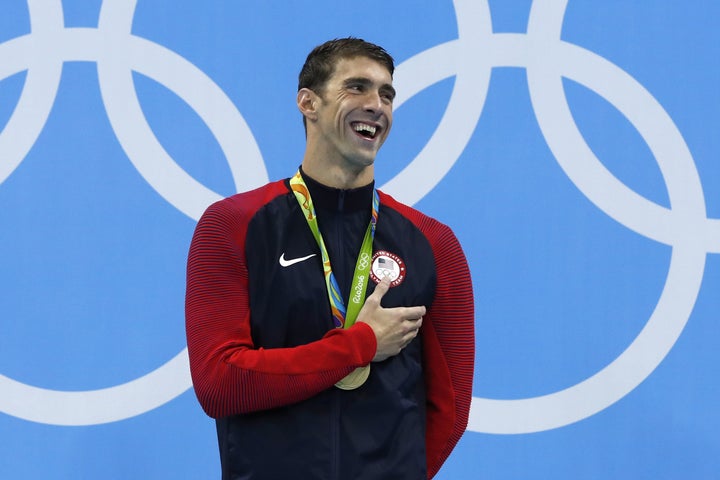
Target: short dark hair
320,63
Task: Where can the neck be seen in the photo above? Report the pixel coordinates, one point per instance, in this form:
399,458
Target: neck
336,176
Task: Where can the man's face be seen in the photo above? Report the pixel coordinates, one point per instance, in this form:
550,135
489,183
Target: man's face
354,114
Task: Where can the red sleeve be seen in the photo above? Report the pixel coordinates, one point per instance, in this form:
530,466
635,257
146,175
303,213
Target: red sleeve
229,374
448,341
449,351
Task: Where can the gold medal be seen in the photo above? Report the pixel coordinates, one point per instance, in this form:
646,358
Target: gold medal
356,378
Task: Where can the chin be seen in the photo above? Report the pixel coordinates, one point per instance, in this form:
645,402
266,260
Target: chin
363,162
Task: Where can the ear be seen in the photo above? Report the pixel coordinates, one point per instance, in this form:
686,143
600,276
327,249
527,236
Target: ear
307,102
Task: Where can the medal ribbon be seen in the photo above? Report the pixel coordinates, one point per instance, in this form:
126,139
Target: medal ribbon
342,317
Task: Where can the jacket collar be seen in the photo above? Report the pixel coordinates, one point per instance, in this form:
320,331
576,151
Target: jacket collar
337,199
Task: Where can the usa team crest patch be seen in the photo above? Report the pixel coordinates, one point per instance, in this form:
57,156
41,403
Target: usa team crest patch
386,264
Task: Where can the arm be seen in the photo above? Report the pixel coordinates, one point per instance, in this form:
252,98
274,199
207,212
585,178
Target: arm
449,350
229,374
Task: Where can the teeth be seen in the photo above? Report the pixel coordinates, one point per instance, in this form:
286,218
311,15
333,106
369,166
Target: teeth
361,127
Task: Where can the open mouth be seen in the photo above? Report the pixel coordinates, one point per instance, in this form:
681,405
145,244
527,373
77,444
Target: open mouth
365,130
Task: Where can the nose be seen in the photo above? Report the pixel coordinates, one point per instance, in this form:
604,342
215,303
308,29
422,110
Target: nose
373,102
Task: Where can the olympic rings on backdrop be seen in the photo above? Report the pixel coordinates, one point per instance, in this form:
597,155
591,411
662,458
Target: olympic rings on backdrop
470,59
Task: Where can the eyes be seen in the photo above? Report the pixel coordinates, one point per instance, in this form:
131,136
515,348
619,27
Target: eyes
386,92
388,96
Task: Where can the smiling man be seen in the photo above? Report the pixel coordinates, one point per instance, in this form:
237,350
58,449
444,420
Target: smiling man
330,327
349,119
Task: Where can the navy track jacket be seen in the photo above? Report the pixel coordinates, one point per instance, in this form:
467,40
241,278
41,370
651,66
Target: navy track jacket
264,353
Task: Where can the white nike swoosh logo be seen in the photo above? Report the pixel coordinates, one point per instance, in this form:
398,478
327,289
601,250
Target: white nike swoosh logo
293,261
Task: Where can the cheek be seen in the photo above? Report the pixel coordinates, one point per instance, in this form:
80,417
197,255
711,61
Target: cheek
389,124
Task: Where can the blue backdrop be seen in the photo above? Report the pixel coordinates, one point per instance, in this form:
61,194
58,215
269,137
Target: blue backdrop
571,145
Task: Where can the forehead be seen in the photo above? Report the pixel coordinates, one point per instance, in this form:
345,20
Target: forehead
361,67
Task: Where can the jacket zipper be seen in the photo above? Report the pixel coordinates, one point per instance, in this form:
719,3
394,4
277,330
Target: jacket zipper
335,429
335,474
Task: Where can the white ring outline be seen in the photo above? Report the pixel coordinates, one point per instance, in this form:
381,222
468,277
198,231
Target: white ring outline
113,42
41,83
449,65
687,263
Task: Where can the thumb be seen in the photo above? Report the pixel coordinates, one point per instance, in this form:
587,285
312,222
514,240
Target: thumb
381,289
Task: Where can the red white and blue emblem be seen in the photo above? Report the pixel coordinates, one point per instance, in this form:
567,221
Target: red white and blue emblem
386,264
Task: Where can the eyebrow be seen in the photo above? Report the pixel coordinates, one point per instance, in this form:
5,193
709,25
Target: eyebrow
384,88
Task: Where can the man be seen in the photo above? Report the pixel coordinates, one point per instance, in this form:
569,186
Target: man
330,328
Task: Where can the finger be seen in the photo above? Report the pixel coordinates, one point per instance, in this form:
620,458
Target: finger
411,327
408,339
413,313
381,289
